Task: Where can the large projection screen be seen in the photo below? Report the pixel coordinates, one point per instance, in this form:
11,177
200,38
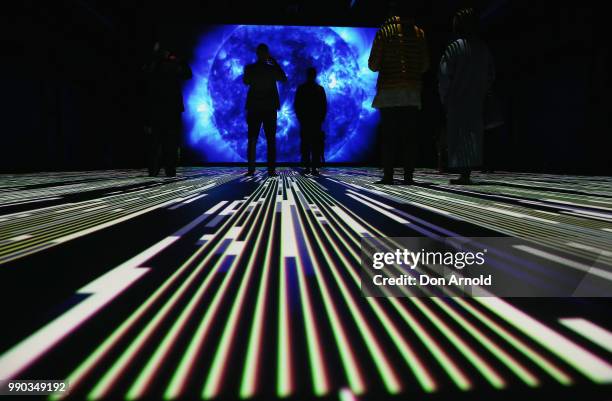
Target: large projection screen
215,115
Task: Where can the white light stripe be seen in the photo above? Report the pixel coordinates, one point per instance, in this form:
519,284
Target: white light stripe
165,193
214,209
382,211
233,233
566,262
194,199
85,204
235,248
103,290
29,201
289,242
589,248
374,201
576,204
20,237
207,237
598,216
582,360
352,223
108,224
230,208
519,215
430,208
591,331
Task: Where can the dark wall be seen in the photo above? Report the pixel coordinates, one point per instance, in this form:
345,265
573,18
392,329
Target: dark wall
552,72
72,90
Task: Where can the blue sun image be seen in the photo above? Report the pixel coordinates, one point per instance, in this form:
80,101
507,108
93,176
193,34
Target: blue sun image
215,98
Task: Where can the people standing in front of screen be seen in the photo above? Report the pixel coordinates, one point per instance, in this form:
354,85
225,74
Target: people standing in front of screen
466,74
400,55
164,76
262,104
310,108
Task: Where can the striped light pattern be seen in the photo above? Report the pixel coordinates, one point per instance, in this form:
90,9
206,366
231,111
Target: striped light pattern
261,297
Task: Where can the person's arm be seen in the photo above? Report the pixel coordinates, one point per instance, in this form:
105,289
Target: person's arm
323,104
446,72
298,103
423,52
185,71
375,59
279,74
246,76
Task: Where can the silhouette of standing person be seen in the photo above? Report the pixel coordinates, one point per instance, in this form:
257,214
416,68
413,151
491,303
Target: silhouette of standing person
262,104
311,107
466,74
400,55
164,76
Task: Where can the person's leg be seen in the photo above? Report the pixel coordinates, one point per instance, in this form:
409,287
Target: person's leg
464,177
409,131
170,154
154,151
317,145
387,143
269,123
171,148
442,149
254,125
305,146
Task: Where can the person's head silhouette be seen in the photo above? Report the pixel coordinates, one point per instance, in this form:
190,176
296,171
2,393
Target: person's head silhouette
465,22
311,74
402,9
263,52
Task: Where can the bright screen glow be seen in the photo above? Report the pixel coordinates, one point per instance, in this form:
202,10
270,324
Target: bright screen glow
215,115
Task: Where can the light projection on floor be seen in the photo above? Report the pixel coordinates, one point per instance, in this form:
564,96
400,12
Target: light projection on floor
249,288
215,114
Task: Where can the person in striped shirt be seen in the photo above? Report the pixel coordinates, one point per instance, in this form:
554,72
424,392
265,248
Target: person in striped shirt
400,56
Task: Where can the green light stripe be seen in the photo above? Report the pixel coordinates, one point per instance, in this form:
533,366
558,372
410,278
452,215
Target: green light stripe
318,370
106,382
484,368
387,374
88,364
251,369
352,370
213,382
317,367
421,373
526,376
443,359
552,370
284,368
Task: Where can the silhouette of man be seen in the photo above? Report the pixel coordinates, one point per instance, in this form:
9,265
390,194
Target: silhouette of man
311,107
262,104
164,76
399,54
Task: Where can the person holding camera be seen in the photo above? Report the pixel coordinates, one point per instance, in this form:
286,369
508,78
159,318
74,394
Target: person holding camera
262,104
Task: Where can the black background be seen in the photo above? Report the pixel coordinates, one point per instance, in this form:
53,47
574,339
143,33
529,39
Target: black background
72,92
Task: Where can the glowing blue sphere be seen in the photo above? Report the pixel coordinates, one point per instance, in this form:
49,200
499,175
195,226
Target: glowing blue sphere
216,98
